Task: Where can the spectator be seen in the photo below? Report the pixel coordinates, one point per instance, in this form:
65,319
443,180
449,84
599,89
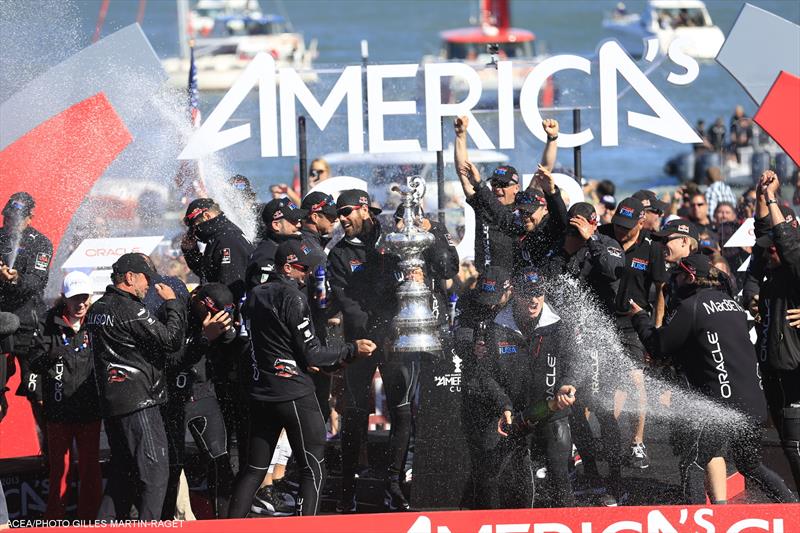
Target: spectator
698,213
724,212
718,190
318,171
716,134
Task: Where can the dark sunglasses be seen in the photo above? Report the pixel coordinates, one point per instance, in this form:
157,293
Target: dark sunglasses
315,172
698,205
498,184
346,210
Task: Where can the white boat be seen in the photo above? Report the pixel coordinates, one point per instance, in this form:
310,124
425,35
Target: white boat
204,15
667,21
233,41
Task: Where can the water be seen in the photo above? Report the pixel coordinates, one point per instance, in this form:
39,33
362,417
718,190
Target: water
403,31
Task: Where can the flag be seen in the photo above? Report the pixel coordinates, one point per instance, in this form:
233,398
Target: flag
189,178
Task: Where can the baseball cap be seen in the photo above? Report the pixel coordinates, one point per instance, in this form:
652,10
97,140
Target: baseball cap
650,201
698,265
492,284
505,174
281,208
216,295
241,183
133,262
19,204
196,208
356,198
291,252
679,226
76,283
530,200
609,201
529,283
628,213
319,202
583,209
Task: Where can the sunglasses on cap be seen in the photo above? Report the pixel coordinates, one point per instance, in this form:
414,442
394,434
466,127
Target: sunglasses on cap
209,303
299,267
196,213
317,207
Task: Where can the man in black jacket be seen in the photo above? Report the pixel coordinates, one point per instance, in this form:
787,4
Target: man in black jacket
285,351
775,268
225,256
364,286
706,334
494,236
25,258
129,345
281,221
523,367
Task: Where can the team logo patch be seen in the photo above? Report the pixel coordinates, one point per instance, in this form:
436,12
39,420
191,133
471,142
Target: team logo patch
615,252
356,265
639,264
532,277
305,249
505,348
625,211
226,256
291,258
489,286
42,261
683,228
449,239
363,200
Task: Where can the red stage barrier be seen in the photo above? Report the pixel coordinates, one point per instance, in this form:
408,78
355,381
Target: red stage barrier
673,519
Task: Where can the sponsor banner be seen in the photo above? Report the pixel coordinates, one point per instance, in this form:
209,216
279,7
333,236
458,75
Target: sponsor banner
102,253
770,518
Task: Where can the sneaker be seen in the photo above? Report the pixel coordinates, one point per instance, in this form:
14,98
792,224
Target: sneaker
638,457
286,486
346,506
393,498
266,502
608,500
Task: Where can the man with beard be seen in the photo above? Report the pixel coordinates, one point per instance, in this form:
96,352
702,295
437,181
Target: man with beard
129,346
643,268
494,243
523,381
281,221
363,282
25,257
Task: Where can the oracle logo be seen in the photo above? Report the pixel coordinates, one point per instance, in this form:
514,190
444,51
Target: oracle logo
110,252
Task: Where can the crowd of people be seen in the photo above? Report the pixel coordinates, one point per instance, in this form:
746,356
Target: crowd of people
276,348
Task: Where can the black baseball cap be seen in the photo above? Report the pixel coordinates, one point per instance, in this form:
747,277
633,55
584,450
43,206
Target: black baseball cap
609,201
133,262
698,265
219,294
530,200
650,201
291,252
356,198
583,209
281,208
197,207
492,284
505,174
529,283
628,213
319,202
679,226
20,205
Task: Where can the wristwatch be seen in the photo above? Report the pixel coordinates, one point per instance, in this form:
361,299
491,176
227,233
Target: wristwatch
553,138
773,201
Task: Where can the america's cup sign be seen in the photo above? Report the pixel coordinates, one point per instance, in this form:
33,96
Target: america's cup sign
283,88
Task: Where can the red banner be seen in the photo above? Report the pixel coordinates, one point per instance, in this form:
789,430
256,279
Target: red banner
673,519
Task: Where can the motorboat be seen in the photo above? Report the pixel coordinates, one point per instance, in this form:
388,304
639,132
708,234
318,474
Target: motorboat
666,21
205,13
234,40
483,45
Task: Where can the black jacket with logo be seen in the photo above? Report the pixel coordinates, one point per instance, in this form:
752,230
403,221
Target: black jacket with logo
494,246
225,257
284,342
64,358
129,346
522,368
597,264
362,278
778,344
261,261
706,335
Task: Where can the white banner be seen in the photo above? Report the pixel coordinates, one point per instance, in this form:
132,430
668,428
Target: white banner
92,254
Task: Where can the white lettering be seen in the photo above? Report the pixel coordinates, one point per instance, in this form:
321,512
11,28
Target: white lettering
378,108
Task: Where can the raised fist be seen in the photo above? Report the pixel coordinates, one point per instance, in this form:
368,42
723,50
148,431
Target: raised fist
550,126
460,125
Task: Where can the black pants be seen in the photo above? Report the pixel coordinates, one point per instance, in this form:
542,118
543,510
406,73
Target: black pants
234,402
782,389
305,429
139,465
505,475
702,441
611,443
204,421
399,385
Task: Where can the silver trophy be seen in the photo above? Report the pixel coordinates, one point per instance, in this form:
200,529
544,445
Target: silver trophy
415,325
